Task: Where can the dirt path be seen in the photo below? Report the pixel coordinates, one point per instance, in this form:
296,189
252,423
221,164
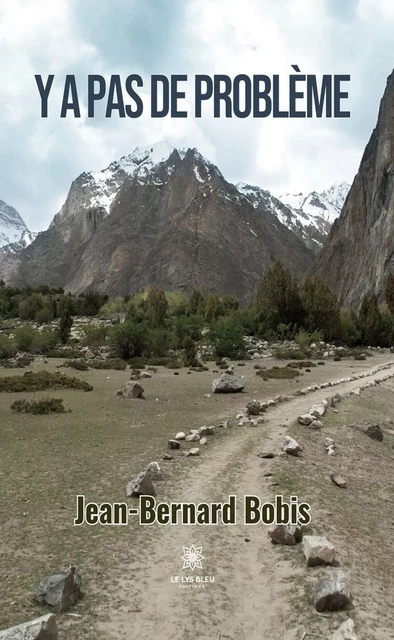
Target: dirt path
247,600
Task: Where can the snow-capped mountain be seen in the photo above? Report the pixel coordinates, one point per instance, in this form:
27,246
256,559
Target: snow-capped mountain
13,229
309,216
159,215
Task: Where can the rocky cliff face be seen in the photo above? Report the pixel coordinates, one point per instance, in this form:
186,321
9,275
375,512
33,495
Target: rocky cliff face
359,251
162,216
309,216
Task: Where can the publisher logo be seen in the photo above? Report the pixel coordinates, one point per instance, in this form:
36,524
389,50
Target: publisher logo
192,558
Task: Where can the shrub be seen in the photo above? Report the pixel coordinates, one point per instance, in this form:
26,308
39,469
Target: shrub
95,335
129,340
189,352
44,316
285,353
7,347
227,339
64,353
40,381
46,340
35,407
65,324
110,363
279,373
79,365
25,337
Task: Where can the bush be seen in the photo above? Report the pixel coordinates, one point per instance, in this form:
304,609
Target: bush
44,316
46,340
8,347
64,353
25,337
129,340
227,339
189,353
65,324
39,407
110,363
280,373
40,381
79,365
95,336
285,353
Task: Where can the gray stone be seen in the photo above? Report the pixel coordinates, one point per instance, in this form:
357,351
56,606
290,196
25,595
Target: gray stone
316,424
174,444
346,631
228,384
291,446
155,471
318,550
206,431
203,441
43,628
285,534
194,452
141,485
61,590
338,480
253,408
194,437
306,419
331,592
180,436
145,374
132,390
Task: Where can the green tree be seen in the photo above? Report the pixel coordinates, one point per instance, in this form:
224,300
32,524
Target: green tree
321,307
65,324
227,338
213,308
371,320
156,306
189,352
196,306
278,300
129,340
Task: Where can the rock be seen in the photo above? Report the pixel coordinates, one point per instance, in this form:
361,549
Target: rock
253,408
316,424
155,471
374,432
167,456
338,480
89,355
194,452
132,390
203,441
228,384
305,419
207,395
329,442
141,485
266,454
291,446
145,374
180,435
61,590
206,431
318,410
318,550
43,628
330,450
174,444
346,631
285,534
244,421
331,592
194,437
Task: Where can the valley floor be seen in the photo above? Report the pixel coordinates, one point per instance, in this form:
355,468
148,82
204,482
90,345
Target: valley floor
259,590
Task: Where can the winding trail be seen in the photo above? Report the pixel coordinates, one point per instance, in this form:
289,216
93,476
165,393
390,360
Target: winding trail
247,600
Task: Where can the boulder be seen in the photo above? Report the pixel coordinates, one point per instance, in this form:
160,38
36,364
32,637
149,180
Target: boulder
132,390
206,431
141,485
145,374
61,590
253,408
316,424
318,550
227,383
305,419
194,437
43,628
174,444
194,452
155,471
291,446
374,432
285,534
318,410
346,631
180,435
331,592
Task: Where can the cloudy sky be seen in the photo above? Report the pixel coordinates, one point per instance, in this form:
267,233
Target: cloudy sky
40,157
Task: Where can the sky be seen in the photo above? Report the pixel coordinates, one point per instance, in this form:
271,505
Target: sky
40,157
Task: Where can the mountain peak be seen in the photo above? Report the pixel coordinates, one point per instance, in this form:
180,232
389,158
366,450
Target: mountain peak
13,229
